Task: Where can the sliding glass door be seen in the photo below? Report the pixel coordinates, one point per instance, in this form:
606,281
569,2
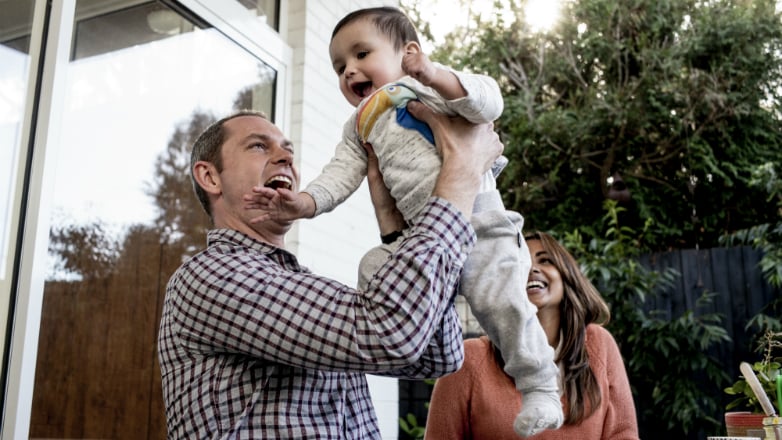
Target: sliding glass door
141,80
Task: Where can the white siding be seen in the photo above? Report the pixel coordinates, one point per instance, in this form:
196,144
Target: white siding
333,243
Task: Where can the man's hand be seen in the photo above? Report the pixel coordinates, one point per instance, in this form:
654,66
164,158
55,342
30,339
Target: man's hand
389,219
468,150
279,204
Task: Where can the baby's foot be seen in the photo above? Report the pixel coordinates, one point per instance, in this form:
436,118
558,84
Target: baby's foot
539,411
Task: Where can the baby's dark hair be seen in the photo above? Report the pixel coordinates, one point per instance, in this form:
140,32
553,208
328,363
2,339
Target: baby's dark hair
389,20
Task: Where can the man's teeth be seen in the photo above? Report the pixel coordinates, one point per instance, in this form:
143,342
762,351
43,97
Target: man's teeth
279,182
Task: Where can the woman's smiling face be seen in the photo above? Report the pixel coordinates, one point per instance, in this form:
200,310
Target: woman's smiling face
544,285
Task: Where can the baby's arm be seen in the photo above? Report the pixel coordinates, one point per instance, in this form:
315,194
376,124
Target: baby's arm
279,204
443,81
475,97
342,175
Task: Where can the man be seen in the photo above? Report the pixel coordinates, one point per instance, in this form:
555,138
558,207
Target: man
252,345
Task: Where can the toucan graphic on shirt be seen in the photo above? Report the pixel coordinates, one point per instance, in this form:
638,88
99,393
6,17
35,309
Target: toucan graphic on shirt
395,96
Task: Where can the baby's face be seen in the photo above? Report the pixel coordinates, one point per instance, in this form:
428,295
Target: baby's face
364,60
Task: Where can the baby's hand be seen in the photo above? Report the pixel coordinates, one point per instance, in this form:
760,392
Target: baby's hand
279,204
418,66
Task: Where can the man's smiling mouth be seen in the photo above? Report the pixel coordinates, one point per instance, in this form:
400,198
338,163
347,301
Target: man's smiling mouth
277,182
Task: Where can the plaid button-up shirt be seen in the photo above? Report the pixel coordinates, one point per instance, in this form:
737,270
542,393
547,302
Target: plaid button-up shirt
252,345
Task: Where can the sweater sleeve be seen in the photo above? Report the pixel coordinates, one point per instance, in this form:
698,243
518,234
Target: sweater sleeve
449,405
342,176
483,103
620,421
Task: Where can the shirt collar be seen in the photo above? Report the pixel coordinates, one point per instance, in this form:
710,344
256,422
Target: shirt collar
231,236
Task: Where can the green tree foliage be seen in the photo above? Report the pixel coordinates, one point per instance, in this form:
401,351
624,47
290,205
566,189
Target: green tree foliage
674,397
679,99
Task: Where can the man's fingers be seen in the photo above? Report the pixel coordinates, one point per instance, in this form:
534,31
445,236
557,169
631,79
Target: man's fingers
260,218
422,112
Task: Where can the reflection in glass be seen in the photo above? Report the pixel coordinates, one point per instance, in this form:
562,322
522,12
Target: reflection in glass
139,89
266,10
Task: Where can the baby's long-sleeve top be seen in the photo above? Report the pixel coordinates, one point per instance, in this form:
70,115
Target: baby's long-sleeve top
409,163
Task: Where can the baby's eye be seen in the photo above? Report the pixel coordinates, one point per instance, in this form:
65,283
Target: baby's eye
362,54
340,70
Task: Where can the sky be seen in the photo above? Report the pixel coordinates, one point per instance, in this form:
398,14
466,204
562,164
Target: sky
444,16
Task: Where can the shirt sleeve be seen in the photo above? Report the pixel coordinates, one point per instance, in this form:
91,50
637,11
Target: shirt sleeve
239,304
344,173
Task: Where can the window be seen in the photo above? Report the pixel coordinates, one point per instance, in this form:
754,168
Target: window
142,81
15,25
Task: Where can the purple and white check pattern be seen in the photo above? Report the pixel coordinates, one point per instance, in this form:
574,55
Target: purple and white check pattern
252,345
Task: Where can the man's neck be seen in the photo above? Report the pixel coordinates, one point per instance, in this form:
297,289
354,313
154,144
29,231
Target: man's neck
260,232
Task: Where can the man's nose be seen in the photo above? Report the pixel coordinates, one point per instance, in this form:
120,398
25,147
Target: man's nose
283,156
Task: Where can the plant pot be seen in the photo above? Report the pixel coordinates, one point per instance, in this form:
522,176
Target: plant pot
744,423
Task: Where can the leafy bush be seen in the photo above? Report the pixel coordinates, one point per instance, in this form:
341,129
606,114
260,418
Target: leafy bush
670,396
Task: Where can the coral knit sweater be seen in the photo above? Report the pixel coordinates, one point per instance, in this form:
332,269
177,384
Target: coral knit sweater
480,401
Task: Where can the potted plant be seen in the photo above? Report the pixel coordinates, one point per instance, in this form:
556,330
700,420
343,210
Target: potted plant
750,421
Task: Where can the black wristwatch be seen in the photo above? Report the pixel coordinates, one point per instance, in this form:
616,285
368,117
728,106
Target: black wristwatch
390,237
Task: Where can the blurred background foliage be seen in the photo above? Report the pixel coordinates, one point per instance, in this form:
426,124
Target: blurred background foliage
666,106
635,127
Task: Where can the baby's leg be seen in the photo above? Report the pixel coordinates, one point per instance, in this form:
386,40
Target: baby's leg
372,260
494,283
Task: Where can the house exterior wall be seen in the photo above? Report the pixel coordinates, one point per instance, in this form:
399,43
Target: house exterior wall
333,243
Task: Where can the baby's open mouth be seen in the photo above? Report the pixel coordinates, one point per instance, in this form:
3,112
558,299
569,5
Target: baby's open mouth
277,182
362,89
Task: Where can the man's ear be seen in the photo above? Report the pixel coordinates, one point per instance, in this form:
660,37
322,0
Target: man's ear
207,177
412,47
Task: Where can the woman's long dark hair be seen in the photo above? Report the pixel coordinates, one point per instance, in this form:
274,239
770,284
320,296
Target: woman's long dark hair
581,305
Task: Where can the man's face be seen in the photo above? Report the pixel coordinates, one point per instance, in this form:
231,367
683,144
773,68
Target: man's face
255,152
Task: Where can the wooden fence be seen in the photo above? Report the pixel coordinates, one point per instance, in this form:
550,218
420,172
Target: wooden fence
734,276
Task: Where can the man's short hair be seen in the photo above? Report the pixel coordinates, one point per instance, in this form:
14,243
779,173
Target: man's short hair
207,147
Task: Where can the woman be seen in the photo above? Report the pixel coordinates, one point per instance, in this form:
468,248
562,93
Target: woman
480,400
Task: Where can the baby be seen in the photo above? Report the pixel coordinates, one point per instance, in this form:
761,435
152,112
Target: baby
377,56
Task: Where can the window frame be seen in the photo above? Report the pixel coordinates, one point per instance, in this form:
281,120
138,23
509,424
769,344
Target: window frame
50,41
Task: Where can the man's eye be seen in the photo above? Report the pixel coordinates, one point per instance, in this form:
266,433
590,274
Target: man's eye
259,146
